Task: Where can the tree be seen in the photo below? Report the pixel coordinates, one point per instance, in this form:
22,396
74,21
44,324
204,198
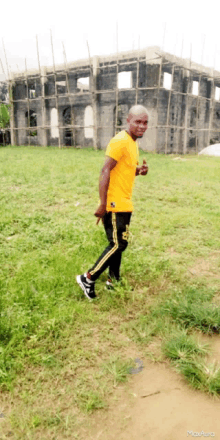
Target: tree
4,116
4,119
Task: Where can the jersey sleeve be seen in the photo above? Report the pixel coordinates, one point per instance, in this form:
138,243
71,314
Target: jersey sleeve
115,149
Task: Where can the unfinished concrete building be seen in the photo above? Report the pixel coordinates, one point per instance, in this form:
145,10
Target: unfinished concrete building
85,103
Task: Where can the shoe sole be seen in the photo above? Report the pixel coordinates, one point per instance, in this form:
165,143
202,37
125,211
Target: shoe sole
83,288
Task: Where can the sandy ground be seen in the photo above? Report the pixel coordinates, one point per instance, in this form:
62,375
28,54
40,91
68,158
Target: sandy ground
158,404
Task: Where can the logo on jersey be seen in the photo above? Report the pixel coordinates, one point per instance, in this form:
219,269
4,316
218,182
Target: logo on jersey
113,204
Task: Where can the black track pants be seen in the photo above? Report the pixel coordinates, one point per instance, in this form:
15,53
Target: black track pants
116,227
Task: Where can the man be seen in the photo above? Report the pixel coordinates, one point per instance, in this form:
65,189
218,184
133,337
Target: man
115,189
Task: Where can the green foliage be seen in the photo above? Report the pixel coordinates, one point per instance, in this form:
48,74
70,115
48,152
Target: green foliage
4,116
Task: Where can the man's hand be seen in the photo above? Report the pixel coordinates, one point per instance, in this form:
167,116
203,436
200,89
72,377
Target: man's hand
100,212
143,170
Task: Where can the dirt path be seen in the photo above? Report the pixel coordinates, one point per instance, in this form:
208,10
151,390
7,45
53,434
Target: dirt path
157,404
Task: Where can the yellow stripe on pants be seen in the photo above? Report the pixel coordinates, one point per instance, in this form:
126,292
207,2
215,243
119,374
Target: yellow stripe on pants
108,255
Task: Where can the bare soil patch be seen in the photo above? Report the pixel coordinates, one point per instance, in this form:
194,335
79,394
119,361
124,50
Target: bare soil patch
207,267
157,405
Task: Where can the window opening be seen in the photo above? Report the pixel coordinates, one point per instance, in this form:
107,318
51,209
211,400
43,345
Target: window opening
88,122
68,135
217,93
61,83
124,80
54,131
33,122
4,92
121,115
193,116
195,88
61,86
32,91
167,80
83,84
67,116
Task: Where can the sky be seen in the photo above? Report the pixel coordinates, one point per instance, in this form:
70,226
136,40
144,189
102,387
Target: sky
181,28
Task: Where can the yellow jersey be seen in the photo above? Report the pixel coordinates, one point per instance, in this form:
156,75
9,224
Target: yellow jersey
125,151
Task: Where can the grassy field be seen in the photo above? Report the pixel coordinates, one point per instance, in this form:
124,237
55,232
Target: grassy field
61,357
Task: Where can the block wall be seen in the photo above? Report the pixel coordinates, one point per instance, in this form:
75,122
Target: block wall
157,100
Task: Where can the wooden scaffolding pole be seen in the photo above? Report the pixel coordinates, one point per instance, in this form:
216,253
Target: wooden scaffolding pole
69,97
197,113
12,114
186,116
198,100
95,109
11,104
212,102
157,106
186,106
211,109
3,70
168,109
107,126
28,102
6,59
43,108
116,90
94,102
56,94
138,66
179,105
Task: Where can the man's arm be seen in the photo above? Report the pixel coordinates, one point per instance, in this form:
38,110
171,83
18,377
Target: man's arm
103,185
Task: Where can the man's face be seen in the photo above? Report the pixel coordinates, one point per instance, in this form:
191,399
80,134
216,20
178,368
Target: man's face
137,124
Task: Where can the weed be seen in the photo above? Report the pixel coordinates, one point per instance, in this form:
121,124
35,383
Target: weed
118,369
91,400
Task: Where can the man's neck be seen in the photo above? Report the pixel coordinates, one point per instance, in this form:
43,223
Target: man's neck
132,135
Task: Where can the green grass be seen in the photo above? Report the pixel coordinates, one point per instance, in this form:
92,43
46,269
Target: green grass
192,309
181,347
202,376
62,355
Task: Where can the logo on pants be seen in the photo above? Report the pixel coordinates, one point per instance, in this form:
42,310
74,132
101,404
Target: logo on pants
125,234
